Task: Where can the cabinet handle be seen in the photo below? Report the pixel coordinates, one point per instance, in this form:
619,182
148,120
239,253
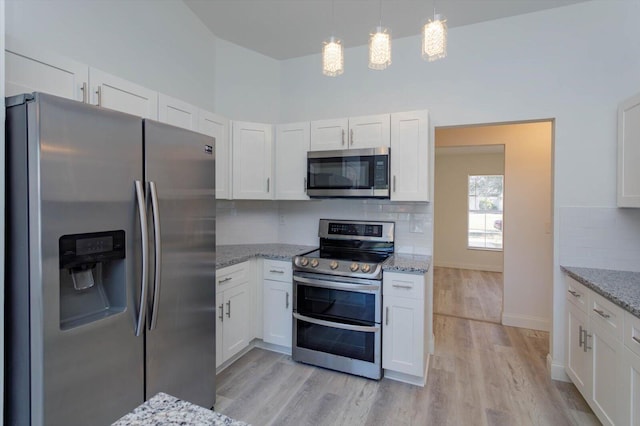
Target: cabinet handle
586,336
351,136
342,136
580,341
401,286
276,271
574,293
305,184
386,312
99,93
602,313
636,339
221,312
268,182
84,92
394,183
229,309
286,303
224,280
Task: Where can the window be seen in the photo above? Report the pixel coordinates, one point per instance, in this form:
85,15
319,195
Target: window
485,212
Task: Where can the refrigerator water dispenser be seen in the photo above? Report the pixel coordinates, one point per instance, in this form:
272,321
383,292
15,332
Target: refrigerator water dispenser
92,277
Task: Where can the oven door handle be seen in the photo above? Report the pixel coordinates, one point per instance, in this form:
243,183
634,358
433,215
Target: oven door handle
361,328
334,285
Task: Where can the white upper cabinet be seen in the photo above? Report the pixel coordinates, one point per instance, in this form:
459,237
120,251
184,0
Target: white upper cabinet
252,161
177,113
218,127
369,131
292,144
115,93
329,134
629,153
30,69
410,156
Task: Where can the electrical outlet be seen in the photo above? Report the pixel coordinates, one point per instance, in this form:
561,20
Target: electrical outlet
281,219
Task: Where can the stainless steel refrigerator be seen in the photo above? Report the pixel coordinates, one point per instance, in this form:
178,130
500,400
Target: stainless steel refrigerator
110,263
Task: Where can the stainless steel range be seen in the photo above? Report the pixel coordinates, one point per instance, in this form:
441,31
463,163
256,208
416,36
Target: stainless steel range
337,297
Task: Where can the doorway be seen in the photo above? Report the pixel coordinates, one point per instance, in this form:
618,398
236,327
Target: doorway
513,285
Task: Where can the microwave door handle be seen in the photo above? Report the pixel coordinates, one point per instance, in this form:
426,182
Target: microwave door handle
334,285
350,327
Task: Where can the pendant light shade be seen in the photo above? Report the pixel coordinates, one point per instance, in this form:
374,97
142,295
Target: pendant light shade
332,57
380,48
434,39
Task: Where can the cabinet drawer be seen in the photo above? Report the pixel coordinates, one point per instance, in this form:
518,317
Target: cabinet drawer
276,270
403,285
632,332
231,276
607,315
577,294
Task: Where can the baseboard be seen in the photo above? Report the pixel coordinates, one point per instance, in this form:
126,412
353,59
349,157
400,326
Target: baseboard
556,370
523,321
488,268
408,378
273,348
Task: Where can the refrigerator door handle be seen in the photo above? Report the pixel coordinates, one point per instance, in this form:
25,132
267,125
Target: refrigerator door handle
157,278
142,212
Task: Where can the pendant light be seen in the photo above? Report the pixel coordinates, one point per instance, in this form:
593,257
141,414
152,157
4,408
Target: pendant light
434,38
332,53
380,46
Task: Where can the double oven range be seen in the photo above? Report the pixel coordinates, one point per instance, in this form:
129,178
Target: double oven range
338,297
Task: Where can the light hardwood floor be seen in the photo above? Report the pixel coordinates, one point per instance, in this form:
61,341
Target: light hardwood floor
480,374
468,294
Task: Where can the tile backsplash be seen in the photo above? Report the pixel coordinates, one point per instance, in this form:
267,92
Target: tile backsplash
296,222
600,237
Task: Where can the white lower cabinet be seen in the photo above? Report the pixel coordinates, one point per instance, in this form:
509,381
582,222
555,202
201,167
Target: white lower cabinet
404,326
596,359
234,310
277,303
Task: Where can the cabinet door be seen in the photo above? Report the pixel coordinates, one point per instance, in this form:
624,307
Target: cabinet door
606,375
631,389
236,329
277,312
410,156
218,127
112,92
219,327
629,153
369,131
30,69
577,359
177,113
252,161
403,335
292,144
329,134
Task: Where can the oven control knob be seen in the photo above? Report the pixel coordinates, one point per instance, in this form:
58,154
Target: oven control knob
333,264
314,263
304,261
354,267
366,268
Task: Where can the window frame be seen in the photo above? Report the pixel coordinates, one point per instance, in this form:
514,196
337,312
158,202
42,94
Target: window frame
469,211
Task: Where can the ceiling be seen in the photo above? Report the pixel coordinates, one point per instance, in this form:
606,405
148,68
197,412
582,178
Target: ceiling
284,29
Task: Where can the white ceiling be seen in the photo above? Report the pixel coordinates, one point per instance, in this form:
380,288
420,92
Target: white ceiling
285,29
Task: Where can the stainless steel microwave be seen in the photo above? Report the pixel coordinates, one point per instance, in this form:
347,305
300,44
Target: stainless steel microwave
348,173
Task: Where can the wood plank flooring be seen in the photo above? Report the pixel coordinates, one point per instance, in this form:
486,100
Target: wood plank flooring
469,294
481,374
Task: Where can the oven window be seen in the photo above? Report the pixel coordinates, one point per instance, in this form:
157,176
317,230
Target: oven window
341,173
351,344
348,307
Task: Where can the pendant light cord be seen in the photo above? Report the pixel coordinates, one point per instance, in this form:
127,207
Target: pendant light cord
381,13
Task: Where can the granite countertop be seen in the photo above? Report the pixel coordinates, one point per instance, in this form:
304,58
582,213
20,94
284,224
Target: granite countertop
233,254
227,255
167,410
620,287
408,263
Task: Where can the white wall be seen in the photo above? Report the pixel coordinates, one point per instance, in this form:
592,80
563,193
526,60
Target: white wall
450,246
161,45
246,222
573,64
